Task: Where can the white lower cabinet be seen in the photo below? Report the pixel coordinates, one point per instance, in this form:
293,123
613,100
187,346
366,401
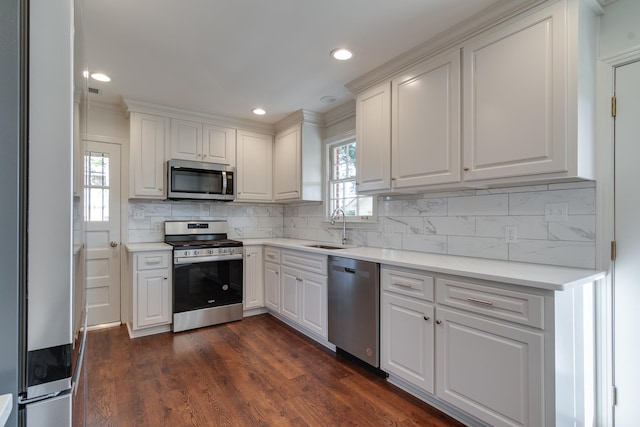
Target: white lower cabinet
407,339
290,295
489,369
272,286
253,285
497,353
152,305
304,299
150,273
296,289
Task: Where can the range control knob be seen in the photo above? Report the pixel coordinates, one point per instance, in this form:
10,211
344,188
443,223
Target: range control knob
210,251
196,252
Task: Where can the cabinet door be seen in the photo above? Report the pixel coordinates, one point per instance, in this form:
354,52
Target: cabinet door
186,140
373,136
272,286
290,293
218,145
514,99
490,369
148,139
407,340
314,303
153,298
253,287
425,126
287,158
254,170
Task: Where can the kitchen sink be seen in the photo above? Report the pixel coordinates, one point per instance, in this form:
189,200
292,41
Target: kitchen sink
324,246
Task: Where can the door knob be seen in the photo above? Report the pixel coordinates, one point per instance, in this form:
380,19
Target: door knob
113,244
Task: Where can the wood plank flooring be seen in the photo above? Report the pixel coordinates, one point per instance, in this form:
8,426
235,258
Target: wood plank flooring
256,372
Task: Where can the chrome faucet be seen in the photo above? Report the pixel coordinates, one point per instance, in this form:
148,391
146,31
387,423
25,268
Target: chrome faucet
334,215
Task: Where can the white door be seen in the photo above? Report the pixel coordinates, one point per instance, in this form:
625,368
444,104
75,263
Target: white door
102,227
626,371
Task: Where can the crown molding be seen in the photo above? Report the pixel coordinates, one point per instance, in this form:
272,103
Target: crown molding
132,105
340,113
105,106
300,116
447,41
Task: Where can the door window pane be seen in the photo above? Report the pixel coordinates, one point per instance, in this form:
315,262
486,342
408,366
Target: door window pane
96,187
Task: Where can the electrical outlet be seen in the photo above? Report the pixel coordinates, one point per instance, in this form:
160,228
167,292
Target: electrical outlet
138,214
556,212
511,234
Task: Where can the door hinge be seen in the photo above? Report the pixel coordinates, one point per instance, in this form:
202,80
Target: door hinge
613,250
613,106
614,396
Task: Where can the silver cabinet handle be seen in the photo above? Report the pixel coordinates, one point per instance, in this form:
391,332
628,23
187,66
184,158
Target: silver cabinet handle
438,322
403,285
480,301
427,318
113,244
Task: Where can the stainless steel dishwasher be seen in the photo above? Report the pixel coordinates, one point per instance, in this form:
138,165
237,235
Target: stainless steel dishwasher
354,307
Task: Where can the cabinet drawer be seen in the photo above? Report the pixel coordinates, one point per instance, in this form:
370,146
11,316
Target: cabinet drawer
272,255
305,261
413,283
514,306
151,260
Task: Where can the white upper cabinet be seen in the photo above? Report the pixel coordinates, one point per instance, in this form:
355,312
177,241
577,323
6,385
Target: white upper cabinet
425,124
287,159
527,85
147,155
297,173
515,99
408,130
373,138
255,167
202,142
218,144
186,140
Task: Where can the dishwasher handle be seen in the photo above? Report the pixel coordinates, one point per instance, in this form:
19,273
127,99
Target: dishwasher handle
349,270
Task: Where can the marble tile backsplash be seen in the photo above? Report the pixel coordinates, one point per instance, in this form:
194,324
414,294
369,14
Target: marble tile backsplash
467,223
146,218
472,223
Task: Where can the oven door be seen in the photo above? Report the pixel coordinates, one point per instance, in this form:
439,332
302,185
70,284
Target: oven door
202,285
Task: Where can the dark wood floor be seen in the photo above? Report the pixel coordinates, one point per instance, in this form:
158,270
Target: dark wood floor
256,372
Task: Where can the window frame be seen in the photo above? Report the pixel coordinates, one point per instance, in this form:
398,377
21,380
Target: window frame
329,143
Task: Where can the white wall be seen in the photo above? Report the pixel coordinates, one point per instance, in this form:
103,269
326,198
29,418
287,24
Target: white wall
107,120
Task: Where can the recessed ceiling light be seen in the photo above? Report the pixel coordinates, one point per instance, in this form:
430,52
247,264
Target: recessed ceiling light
259,111
329,99
100,77
341,54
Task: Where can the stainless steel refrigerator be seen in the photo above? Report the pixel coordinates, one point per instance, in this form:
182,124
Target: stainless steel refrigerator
36,206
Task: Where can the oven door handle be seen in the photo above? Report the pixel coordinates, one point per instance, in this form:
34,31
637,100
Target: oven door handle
212,258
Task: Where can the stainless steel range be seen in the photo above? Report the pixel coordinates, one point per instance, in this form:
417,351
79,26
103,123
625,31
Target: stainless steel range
207,274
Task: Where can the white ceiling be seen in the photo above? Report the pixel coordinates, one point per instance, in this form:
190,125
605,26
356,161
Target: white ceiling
225,57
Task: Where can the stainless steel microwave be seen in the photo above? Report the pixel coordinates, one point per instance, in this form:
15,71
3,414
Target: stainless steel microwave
200,181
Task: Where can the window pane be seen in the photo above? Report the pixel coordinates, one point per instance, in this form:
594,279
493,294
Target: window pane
96,181
366,206
343,194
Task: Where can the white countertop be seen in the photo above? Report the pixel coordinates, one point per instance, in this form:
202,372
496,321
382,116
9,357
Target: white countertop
140,247
6,405
517,273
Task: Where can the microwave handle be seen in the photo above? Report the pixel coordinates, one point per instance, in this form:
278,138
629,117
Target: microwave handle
224,182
